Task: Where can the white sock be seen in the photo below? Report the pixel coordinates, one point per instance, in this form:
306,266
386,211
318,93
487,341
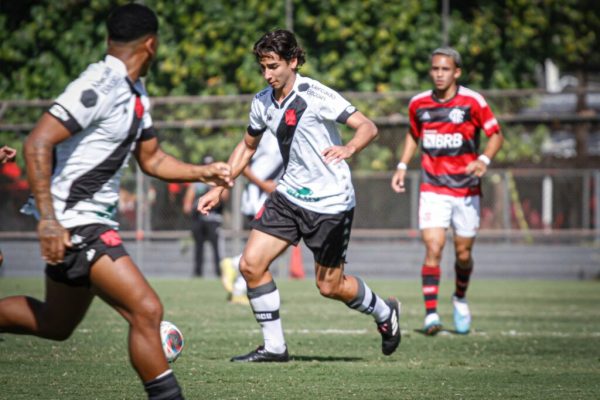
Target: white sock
367,302
265,303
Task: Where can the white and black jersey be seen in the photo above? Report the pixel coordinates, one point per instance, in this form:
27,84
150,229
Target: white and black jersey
266,164
305,124
106,114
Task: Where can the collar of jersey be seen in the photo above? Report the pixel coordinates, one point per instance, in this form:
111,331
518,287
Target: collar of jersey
116,65
120,69
434,97
290,94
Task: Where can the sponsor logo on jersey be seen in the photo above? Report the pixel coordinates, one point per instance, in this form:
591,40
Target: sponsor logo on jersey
59,112
457,116
303,194
88,98
435,140
77,239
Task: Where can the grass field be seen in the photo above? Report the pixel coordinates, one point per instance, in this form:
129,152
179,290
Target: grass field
531,340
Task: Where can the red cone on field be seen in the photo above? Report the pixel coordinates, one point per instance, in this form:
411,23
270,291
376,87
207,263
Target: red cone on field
296,264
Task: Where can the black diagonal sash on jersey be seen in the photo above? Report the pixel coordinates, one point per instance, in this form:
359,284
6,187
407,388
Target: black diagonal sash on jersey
287,127
88,184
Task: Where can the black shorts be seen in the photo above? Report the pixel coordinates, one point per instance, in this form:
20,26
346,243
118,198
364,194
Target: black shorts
90,242
326,235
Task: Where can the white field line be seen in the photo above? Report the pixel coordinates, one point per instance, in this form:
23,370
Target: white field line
444,333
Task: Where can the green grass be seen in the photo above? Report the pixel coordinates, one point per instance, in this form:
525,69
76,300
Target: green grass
531,340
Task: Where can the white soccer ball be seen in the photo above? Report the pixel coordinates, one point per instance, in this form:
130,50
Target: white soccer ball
172,340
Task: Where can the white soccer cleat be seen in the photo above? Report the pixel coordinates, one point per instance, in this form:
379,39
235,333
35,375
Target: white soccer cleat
462,315
432,324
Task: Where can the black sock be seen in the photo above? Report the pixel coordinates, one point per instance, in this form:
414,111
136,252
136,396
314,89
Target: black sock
163,388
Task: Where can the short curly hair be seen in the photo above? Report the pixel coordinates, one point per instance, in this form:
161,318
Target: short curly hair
131,22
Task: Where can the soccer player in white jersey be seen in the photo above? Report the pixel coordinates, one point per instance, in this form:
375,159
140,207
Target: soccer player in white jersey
264,171
314,199
447,122
74,158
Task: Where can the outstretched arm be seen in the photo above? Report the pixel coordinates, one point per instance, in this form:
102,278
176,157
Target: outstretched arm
38,156
365,132
410,147
155,162
239,159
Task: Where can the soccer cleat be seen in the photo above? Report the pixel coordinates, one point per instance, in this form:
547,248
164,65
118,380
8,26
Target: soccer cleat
262,355
462,315
239,299
432,324
228,274
390,328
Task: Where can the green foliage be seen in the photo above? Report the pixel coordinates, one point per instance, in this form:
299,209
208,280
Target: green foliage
352,45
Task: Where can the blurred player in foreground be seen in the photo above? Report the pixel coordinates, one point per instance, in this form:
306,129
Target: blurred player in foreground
75,156
6,154
264,171
314,199
446,121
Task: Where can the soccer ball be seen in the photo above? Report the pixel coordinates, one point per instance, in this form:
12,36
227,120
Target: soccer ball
172,340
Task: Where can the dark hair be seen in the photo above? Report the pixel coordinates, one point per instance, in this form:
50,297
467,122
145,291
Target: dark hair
130,22
448,52
281,42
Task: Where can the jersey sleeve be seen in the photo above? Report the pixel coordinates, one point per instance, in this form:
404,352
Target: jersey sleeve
257,125
486,119
77,107
148,131
333,106
414,127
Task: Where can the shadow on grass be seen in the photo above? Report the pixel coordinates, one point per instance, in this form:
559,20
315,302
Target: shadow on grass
440,333
324,358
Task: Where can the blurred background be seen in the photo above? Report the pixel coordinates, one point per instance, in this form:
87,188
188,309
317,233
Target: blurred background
536,62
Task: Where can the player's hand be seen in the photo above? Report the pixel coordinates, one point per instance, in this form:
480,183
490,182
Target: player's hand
477,168
269,186
336,154
7,154
398,181
209,201
216,174
54,238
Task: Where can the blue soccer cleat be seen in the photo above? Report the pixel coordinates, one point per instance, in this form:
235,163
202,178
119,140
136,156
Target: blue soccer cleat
462,315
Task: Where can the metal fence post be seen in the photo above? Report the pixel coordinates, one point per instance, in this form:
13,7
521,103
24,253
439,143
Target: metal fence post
597,204
414,200
506,201
586,211
547,189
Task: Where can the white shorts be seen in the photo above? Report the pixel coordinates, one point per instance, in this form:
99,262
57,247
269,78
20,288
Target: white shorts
441,210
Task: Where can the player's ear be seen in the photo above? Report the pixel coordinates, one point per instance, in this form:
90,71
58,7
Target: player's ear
151,44
457,73
293,63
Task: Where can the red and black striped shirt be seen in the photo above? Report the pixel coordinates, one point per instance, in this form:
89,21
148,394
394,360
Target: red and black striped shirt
449,136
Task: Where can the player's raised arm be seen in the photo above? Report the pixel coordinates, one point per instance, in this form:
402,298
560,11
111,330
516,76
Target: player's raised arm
365,133
155,162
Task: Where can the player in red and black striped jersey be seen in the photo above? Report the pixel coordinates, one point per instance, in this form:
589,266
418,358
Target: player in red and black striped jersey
447,122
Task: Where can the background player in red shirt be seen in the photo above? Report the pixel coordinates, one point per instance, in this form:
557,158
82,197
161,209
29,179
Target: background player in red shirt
447,121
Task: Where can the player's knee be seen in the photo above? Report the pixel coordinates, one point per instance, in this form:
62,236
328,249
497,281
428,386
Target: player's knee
463,256
327,289
249,270
150,311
